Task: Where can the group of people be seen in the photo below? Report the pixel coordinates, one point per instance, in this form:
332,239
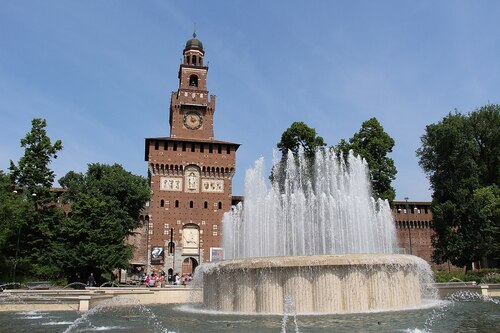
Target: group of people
158,280
155,279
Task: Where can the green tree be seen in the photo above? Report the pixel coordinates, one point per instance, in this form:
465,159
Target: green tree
32,179
300,135
33,172
374,144
106,202
297,136
461,156
11,218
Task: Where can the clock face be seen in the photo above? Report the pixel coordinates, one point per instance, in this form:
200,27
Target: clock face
192,120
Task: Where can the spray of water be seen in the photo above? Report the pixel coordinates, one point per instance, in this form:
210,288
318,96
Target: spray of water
289,310
85,321
327,209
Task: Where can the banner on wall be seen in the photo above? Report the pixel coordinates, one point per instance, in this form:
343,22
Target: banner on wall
157,255
216,254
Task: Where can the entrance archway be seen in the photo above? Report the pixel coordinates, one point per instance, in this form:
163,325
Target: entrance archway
189,265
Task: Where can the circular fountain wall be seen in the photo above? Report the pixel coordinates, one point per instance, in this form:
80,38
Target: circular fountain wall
317,284
318,238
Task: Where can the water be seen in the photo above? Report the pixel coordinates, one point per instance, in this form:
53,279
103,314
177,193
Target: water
464,314
328,210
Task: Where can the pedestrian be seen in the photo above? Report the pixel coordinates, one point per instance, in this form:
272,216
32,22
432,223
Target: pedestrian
152,281
177,279
91,280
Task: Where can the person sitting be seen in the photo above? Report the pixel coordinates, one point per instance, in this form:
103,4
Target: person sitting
152,282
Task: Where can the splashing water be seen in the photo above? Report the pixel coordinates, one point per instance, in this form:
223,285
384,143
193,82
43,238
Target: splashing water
289,310
85,321
439,314
325,210
75,285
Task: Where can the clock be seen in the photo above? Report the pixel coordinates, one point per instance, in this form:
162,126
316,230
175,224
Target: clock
192,120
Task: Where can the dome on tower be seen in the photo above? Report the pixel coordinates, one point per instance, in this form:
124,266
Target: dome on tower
194,43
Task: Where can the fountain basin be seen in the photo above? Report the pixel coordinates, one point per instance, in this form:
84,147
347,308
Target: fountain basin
316,284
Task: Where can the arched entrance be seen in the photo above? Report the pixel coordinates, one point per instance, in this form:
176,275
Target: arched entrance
189,265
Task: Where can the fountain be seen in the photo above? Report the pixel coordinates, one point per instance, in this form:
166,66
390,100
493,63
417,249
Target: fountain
372,276
319,238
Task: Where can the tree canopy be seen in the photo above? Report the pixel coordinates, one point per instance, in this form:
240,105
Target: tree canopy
32,172
105,202
300,135
374,144
461,156
36,229
36,237
11,219
297,136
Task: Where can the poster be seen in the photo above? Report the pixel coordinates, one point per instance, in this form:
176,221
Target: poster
157,255
216,254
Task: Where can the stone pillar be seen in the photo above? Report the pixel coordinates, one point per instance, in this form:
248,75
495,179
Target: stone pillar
84,303
327,291
398,296
211,291
245,292
227,288
412,286
269,293
299,287
355,289
380,291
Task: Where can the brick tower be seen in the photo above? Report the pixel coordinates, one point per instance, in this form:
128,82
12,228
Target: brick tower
190,175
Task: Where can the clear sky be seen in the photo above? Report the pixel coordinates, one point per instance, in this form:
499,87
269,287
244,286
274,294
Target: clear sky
101,72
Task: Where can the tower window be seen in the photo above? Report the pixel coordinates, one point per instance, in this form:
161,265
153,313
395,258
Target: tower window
191,204
162,203
176,203
157,145
193,80
205,205
202,148
183,146
228,149
192,147
210,148
165,145
220,205
175,146
219,149
193,60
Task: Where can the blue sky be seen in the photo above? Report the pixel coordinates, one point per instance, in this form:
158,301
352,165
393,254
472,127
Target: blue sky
101,73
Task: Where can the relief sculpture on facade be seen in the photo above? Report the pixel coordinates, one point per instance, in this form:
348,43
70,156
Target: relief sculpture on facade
170,184
190,239
212,185
192,175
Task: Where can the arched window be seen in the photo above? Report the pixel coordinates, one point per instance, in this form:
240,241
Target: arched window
220,205
205,205
162,203
193,81
191,204
176,203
